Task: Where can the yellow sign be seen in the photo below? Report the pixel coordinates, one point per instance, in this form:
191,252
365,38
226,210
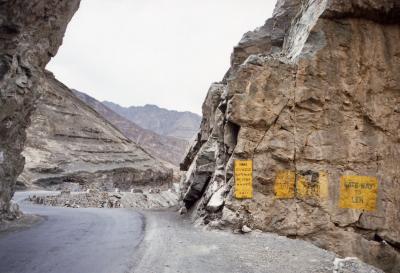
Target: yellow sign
312,184
243,179
358,192
289,184
285,184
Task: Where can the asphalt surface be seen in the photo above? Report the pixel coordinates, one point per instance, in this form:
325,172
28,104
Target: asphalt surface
113,240
72,241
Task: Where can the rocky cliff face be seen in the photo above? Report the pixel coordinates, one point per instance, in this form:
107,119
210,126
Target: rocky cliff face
30,33
181,125
315,93
71,146
166,148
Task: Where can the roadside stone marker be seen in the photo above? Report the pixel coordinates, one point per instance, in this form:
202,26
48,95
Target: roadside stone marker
358,192
243,179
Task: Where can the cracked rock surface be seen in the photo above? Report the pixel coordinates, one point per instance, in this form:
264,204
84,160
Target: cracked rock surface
31,32
316,89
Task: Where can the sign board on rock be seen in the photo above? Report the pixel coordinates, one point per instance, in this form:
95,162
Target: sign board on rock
358,192
301,184
285,184
243,179
312,184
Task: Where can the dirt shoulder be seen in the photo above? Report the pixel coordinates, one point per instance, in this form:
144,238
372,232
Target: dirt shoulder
173,245
24,222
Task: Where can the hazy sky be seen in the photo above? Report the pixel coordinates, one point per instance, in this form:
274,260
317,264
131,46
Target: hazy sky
163,52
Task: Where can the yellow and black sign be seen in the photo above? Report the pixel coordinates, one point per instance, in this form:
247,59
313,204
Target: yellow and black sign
289,184
358,192
313,184
243,179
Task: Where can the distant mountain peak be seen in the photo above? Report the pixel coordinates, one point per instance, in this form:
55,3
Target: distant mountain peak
172,123
147,106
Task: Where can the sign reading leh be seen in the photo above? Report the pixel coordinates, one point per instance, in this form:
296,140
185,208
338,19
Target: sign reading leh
358,192
243,179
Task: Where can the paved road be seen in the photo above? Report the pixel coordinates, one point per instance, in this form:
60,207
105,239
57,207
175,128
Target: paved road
113,241
73,241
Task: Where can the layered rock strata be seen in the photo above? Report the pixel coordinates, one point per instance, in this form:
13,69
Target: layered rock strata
71,146
30,33
314,92
169,149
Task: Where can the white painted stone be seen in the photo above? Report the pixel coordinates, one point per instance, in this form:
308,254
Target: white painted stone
217,200
246,229
1,157
176,187
182,211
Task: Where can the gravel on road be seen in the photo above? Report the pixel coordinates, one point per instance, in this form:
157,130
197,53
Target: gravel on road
172,245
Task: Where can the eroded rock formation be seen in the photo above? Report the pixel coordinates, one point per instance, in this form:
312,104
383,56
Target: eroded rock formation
316,89
71,146
30,34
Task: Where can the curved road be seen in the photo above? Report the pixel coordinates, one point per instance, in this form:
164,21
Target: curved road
73,241
113,241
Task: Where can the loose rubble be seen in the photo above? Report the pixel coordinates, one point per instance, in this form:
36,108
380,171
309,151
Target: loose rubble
352,265
145,199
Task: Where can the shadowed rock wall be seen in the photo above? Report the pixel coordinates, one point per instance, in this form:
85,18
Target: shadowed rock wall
31,32
315,90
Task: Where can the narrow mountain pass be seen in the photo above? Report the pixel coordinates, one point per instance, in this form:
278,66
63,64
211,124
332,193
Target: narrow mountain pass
72,240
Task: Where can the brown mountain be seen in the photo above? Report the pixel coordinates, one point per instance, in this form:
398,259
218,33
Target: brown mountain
69,145
167,148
